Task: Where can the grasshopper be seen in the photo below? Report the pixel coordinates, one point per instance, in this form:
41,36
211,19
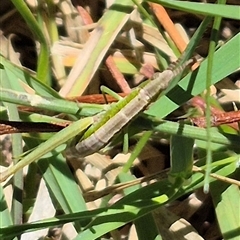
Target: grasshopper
114,119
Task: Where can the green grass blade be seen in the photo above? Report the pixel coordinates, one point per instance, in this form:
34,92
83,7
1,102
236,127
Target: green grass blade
226,199
17,208
58,177
226,196
193,84
137,150
19,76
52,104
96,47
146,222
220,10
62,185
212,46
6,219
43,58
58,139
181,149
185,130
127,209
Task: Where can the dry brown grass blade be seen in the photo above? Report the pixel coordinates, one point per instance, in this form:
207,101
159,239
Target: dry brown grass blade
230,118
8,127
93,52
117,75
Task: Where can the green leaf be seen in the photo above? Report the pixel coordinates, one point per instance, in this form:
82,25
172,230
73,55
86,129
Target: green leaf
6,219
19,76
193,83
181,157
45,147
62,185
226,11
226,199
43,58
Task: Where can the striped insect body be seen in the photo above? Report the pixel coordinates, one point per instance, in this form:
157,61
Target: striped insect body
114,119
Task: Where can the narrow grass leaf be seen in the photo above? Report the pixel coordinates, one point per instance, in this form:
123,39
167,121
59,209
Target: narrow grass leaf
17,208
143,223
211,50
43,69
181,156
17,75
62,185
226,199
185,130
49,103
5,216
226,11
96,47
193,84
58,139
138,200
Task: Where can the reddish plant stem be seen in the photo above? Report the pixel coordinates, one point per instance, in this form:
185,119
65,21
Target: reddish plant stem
218,117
